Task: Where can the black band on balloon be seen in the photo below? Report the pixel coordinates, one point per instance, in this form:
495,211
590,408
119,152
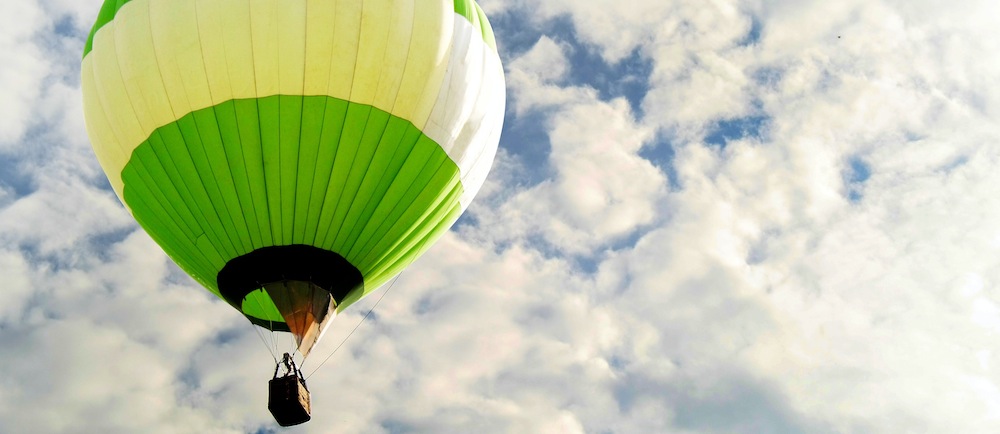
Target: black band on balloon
323,268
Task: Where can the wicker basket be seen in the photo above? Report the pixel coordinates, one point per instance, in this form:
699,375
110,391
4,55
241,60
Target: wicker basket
288,400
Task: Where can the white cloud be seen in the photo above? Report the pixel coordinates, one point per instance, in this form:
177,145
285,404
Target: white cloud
602,190
18,284
545,62
534,79
20,85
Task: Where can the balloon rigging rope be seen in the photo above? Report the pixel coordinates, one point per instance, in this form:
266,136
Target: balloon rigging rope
260,335
273,348
356,326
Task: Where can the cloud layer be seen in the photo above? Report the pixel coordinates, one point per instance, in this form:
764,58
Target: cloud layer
705,217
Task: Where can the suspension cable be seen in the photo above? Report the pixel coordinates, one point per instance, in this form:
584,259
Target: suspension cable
356,326
274,343
260,335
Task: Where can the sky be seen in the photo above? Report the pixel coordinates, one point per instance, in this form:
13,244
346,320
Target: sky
706,216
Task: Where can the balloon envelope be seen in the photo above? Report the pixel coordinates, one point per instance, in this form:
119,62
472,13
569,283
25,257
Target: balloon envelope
293,155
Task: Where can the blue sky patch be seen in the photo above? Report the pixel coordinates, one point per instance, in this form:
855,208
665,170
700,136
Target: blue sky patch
753,35
955,163
14,178
661,153
855,176
526,137
729,130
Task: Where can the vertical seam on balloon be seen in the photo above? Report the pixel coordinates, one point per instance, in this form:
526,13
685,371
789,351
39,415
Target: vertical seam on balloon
225,235
127,149
225,173
487,152
327,238
263,226
462,117
374,242
405,62
325,192
242,157
425,87
347,179
409,152
476,103
402,251
277,166
208,229
351,174
378,144
163,191
183,186
157,217
317,239
392,206
326,184
394,251
360,231
145,176
253,202
187,190
160,195
117,70
319,144
153,216
227,232
159,74
446,84
319,138
187,146
484,153
302,103
481,93
320,239
114,132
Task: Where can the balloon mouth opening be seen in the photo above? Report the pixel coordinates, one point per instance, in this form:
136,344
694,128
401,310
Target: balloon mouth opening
271,268
306,308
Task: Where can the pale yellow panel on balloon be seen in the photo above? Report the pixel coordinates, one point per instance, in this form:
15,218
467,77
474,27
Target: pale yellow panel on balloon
140,69
111,88
291,20
178,48
239,48
264,30
106,146
426,62
320,20
397,46
346,31
213,48
371,50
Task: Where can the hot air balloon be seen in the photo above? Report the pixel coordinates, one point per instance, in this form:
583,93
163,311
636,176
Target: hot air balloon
293,155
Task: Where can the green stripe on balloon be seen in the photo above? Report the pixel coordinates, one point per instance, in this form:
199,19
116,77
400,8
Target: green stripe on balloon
466,8
341,176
